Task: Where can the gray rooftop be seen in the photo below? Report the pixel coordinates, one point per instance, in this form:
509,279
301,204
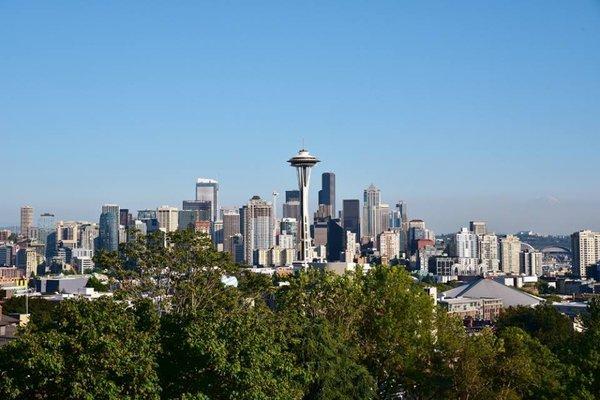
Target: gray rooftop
487,288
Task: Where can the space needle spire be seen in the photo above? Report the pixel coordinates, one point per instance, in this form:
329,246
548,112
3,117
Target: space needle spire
303,162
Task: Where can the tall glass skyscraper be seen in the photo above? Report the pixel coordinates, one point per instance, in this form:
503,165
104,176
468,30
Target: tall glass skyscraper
208,190
109,231
327,193
351,216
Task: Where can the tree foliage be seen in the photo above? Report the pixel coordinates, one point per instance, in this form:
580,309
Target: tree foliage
365,335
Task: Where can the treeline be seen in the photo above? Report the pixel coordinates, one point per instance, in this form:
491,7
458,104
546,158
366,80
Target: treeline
359,336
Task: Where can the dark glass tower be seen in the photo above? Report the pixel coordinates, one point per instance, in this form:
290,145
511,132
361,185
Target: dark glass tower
351,214
327,193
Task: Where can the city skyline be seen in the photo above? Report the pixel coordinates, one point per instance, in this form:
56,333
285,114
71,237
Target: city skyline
465,111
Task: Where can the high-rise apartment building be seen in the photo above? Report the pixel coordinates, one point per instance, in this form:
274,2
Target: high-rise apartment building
488,252
531,262
168,218
257,230
465,244
26,220
327,194
585,246
510,249
208,190
389,246
351,216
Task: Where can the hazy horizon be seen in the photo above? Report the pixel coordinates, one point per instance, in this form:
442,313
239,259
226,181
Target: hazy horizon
465,110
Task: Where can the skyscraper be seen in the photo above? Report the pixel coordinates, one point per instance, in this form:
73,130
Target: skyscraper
231,227
586,251
371,225
465,244
113,208
488,252
168,218
202,208
208,190
292,195
109,231
186,219
351,216
125,218
327,194
478,227
26,220
303,162
256,220
336,240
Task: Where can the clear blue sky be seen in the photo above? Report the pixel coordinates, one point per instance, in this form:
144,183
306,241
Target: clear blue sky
466,109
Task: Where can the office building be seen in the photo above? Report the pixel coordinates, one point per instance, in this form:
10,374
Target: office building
26,220
186,219
327,194
289,226
7,253
336,240
208,190
202,208
585,246
351,216
231,228
510,249
113,208
257,230
144,215
384,216
27,260
371,223
319,232
67,234
168,218
125,218
478,227
108,231
292,195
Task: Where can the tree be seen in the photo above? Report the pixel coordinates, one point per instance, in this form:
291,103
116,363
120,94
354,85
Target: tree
321,314
88,350
40,310
543,322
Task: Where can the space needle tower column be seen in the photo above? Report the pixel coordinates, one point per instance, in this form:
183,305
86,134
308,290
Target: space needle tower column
303,162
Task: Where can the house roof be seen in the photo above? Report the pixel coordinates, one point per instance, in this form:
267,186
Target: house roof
487,288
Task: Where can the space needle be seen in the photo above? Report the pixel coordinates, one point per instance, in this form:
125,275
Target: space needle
303,162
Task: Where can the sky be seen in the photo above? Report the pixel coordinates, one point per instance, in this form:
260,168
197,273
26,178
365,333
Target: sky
464,109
